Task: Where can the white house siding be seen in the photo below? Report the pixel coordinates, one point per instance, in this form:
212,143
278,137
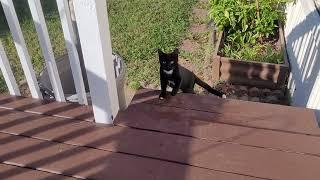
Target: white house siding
302,33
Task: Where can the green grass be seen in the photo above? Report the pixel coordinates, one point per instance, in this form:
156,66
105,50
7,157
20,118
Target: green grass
31,39
200,58
138,29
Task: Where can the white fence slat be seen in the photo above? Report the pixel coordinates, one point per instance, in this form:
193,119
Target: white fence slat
7,73
74,23
46,47
21,47
303,52
72,50
93,27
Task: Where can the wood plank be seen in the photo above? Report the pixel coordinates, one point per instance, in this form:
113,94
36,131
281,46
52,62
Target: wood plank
135,116
96,164
52,108
85,133
10,172
298,118
210,153
195,124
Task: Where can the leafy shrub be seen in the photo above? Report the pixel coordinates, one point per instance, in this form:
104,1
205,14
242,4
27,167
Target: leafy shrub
247,22
257,52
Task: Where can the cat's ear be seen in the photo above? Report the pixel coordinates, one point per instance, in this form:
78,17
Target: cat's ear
161,54
176,54
176,51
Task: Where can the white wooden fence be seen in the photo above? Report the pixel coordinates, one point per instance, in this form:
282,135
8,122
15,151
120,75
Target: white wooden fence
92,24
303,46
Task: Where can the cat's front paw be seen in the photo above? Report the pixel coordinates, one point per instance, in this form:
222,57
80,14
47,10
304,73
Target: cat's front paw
173,93
162,96
224,96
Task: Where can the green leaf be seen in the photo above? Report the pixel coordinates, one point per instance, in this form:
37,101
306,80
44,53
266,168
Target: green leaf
226,14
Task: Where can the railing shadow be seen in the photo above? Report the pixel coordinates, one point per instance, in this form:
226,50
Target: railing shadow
164,148
304,54
110,165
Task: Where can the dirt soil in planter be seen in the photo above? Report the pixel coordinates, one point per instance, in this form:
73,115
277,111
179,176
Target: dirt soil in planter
247,93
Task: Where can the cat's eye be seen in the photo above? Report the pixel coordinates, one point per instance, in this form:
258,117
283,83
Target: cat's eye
171,62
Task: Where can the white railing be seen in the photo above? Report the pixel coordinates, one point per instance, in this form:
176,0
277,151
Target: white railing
94,35
93,27
70,40
303,47
21,47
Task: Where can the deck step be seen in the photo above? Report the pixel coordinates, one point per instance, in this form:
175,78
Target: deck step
10,172
152,139
45,107
262,115
92,163
83,133
56,142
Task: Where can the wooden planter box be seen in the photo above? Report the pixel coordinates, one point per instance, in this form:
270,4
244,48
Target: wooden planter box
251,73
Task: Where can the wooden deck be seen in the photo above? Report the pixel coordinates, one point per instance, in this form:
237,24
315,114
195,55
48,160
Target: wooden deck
187,137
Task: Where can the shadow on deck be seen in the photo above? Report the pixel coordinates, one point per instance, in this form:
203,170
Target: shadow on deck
185,137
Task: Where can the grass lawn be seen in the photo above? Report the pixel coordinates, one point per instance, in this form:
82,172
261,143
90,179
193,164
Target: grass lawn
138,29
197,48
30,36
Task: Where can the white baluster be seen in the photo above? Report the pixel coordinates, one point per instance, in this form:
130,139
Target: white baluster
40,24
7,73
72,50
21,47
93,27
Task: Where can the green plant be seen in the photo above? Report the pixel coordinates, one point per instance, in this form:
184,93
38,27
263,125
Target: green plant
246,23
134,85
247,20
260,52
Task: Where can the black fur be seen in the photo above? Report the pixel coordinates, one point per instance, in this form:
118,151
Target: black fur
178,77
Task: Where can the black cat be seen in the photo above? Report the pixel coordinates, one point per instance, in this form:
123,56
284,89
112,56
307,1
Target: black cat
178,77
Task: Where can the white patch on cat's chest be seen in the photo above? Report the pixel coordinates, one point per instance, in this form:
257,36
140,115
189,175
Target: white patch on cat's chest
171,83
168,72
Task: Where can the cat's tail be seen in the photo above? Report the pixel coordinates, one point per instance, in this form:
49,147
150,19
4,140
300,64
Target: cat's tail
208,88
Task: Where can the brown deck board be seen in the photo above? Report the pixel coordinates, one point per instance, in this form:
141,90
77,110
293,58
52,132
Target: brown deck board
185,137
51,108
10,172
300,117
202,153
91,163
143,115
88,134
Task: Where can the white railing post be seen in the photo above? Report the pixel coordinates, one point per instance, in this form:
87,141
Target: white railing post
21,47
7,73
93,27
46,47
72,50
